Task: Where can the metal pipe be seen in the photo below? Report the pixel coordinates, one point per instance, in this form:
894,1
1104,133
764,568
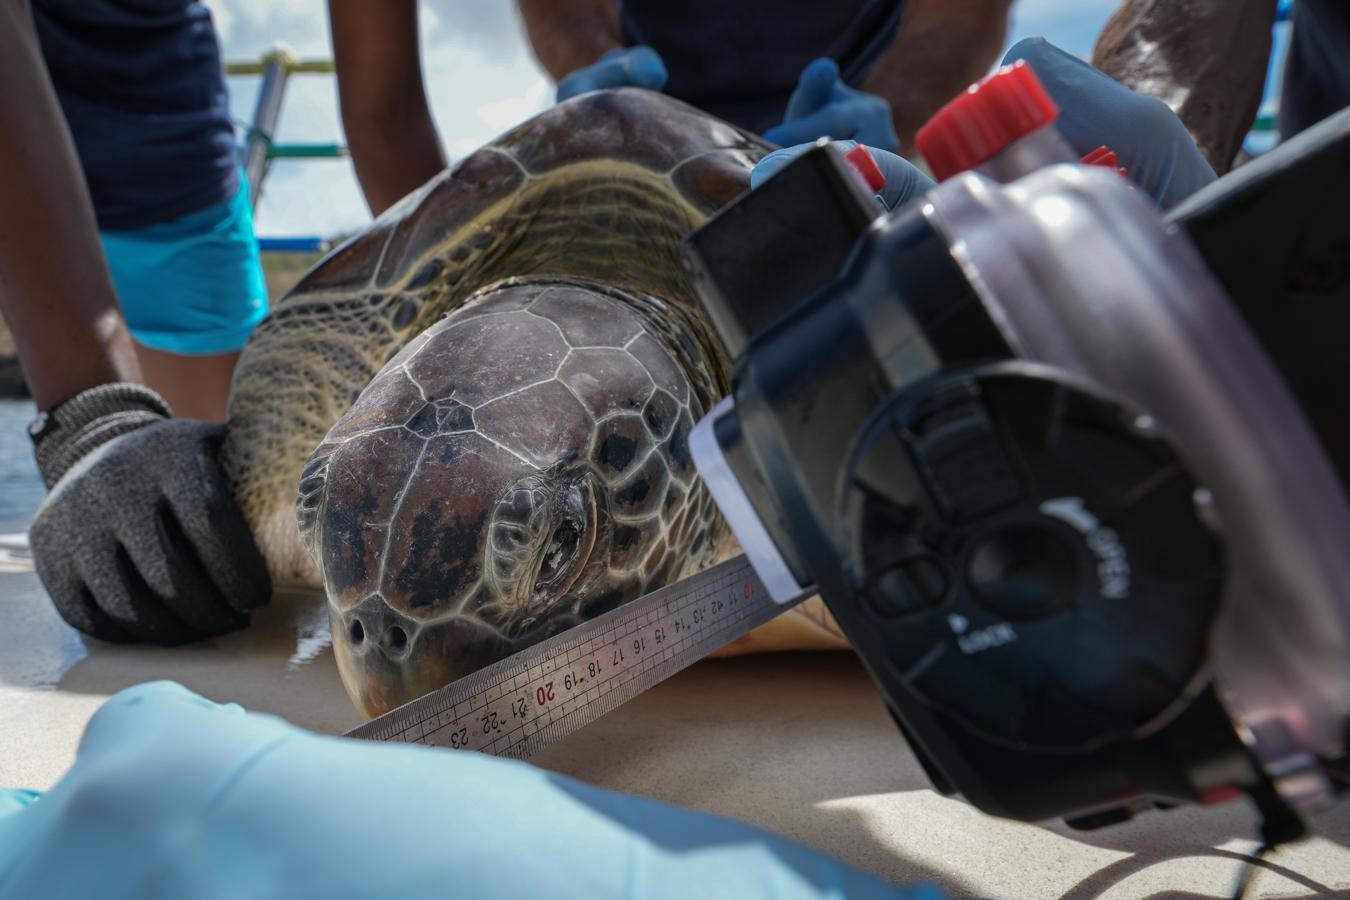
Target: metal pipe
296,244
307,151
256,67
277,67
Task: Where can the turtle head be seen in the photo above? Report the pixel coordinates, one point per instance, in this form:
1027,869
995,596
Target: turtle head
518,468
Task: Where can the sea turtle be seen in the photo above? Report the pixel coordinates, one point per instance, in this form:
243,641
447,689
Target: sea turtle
500,376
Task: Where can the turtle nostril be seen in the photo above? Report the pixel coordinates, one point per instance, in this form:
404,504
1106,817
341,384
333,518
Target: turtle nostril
396,639
357,632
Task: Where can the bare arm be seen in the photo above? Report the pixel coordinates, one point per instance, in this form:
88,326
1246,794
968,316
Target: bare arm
383,99
569,34
943,46
55,291
1206,59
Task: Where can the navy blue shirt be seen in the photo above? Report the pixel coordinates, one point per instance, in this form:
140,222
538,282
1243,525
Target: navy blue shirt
740,59
142,88
1317,72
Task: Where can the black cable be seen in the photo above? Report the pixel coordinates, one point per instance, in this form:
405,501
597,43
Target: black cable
1279,825
1248,871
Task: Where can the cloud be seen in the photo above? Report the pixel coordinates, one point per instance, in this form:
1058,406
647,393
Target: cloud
251,27
481,80
491,29
1071,25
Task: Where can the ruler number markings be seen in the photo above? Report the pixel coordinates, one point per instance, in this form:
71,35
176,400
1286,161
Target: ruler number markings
532,702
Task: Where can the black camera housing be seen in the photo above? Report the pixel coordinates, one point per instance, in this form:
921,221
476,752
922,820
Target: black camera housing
1019,559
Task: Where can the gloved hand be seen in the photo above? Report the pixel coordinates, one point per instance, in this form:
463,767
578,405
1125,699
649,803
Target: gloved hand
172,795
140,538
903,181
823,106
1150,140
624,67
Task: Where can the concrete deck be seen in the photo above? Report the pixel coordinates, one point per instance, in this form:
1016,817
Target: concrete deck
796,743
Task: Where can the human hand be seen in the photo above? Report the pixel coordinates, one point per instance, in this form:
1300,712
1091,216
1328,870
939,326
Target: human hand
903,181
623,67
823,106
1152,144
172,795
140,538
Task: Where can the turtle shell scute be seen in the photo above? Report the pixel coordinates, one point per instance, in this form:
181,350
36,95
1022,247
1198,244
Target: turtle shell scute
456,198
622,444
640,495
542,422
505,353
654,130
436,539
661,414
586,319
391,399
608,380
359,506
712,180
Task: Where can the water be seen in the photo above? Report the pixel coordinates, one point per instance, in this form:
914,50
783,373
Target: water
21,488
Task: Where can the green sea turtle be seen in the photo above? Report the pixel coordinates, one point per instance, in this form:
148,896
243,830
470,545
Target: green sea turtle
499,376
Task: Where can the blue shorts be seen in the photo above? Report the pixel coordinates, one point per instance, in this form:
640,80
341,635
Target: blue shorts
194,285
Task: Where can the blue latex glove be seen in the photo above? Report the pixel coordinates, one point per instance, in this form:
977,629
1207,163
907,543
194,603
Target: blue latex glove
823,106
172,795
1150,140
625,67
903,181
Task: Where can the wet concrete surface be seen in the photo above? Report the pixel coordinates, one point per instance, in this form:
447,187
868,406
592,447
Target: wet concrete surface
797,743
20,487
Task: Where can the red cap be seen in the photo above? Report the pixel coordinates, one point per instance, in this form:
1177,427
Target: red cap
863,163
990,115
1104,156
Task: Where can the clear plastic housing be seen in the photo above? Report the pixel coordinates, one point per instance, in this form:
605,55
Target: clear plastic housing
1080,273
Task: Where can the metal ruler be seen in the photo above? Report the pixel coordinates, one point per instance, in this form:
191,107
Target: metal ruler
549,690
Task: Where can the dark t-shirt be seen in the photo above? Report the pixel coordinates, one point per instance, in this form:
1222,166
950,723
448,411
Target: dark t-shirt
141,85
740,59
1317,73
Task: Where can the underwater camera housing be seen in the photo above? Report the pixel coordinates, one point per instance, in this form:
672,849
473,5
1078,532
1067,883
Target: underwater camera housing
1070,474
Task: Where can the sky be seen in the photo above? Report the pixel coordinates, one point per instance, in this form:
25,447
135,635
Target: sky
481,78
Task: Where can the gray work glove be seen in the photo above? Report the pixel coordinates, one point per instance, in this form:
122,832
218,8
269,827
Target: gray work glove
140,538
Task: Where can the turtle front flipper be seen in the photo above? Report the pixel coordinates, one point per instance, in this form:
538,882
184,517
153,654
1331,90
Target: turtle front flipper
520,467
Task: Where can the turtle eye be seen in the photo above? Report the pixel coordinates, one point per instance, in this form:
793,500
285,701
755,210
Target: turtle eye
566,550
542,535
560,551
514,536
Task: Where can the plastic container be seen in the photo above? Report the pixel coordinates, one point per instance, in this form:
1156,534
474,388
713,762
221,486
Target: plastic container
1003,128
860,158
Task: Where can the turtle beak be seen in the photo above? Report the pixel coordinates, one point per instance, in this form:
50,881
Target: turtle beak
386,660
